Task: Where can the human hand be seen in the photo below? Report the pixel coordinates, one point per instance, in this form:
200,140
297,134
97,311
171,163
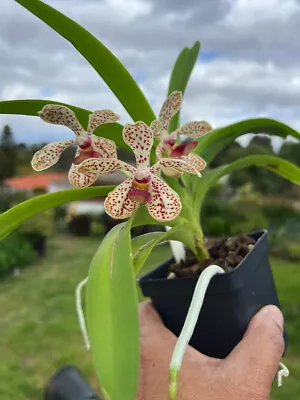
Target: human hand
246,374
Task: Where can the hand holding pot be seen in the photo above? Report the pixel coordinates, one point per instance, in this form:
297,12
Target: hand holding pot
246,373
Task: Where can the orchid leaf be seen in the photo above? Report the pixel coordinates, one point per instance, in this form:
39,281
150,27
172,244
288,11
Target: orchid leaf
32,107
112,315
213,142
281,167
143,245
12,218
105,63
180,76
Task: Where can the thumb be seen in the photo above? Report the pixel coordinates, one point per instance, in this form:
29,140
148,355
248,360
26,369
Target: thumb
256,358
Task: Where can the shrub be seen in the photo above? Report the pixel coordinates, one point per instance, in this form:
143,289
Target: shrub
280,214
15,252
41,224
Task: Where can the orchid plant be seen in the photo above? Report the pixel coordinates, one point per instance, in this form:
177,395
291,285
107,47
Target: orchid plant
164,188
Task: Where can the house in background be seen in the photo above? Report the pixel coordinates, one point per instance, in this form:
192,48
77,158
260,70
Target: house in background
54,182
39,181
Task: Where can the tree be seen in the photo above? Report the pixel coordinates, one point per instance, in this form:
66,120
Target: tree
263,181
290,151
8,154
228,154
261,144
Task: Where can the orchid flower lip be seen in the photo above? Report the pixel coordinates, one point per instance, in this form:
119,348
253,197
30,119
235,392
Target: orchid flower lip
145,179
86,142
170,141
139,196
85,155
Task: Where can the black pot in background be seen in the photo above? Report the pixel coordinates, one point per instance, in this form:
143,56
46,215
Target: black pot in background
68,384
232,299
80,225
38,242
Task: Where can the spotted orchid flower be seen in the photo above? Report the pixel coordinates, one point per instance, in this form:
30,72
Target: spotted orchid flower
88,145
143,186
168,146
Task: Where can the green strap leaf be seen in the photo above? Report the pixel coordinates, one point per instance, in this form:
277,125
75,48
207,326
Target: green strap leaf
281,167
143,245
12,218
112,315
111,70
213,142
32,107
180,76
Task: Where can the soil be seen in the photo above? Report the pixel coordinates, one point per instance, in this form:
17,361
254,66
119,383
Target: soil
226,252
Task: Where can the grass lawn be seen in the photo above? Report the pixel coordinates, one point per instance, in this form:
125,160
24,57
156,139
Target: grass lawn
39,330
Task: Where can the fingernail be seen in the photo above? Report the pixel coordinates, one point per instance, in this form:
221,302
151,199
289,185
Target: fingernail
273,312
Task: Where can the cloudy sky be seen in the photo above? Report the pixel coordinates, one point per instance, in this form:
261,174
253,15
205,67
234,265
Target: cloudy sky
249,64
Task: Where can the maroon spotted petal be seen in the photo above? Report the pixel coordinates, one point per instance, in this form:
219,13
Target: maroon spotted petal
117,204
49,154
61,115
139,138
165,204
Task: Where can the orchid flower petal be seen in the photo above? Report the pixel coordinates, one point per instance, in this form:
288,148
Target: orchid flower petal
157,133
102,166
159,152
79,179
49,154
183,149
169,108
171,172
105,147
117,204
100,117
165,204
139,137
61,115
194,161
193,129
183,164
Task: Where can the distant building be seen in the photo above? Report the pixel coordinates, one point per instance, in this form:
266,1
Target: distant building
30,183
54,182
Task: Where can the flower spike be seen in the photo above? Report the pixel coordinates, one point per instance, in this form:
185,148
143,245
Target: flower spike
88,145
143,186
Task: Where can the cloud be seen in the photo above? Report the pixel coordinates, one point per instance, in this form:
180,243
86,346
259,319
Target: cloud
249,65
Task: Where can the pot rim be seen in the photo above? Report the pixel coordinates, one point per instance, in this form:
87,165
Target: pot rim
220,284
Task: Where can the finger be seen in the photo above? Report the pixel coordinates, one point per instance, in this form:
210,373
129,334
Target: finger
149,316
151,324
257,356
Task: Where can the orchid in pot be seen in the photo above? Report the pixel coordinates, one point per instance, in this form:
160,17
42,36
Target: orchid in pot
166,187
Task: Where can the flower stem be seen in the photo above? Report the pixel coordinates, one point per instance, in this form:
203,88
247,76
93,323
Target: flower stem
201,251
193,224
189,326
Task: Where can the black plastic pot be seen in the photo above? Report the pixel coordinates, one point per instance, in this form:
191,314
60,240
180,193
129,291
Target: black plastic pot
68,384
232,299
38,242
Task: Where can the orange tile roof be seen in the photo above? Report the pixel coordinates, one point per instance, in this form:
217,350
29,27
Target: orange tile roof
35,181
